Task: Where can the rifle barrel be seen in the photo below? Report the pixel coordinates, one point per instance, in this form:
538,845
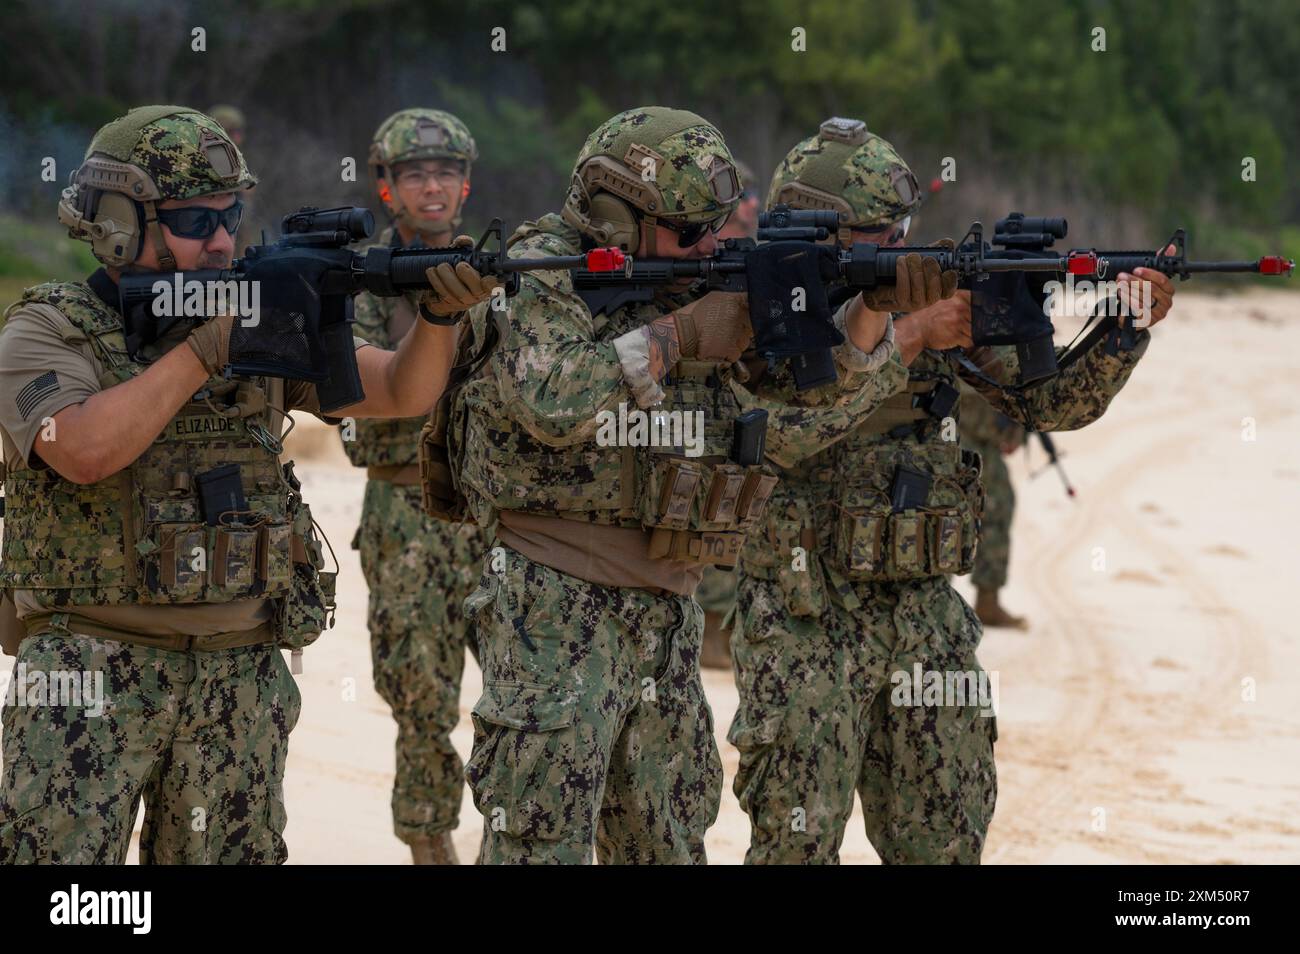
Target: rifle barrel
1116,262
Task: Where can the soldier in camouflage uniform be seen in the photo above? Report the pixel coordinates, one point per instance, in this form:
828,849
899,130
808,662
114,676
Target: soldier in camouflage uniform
114,574
717,591
593,726
992,434
844,606
419,570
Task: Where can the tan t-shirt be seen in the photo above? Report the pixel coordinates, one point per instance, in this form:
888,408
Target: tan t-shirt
46,364
609,556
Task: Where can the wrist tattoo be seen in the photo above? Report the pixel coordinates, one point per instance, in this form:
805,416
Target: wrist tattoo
664,348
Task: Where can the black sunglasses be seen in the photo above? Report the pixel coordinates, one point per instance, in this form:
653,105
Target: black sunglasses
884,235
691,233
199,222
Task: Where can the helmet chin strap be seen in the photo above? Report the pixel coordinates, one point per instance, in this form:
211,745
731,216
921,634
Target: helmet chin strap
166,261
651,235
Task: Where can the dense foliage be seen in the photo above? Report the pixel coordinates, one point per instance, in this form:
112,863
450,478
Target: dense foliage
1150,133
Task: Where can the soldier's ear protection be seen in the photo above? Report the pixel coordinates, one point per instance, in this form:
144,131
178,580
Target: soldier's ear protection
607,218
613,222
608,200
112,222
114,205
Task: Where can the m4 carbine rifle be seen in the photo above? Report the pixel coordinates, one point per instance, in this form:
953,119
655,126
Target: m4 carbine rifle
1012,309
306,280
303,285
788,276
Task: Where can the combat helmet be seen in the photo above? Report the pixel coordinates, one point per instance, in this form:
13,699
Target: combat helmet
151,154
664,166
851,171
413,134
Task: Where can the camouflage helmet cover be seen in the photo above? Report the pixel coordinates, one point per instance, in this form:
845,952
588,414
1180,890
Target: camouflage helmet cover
410,135
152,154
666,163
421,134
180,152
873,185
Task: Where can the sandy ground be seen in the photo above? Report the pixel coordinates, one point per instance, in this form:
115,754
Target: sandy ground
1146,716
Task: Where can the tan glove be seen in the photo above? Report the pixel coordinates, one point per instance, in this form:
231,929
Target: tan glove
715,327
918,283
210,342
455,290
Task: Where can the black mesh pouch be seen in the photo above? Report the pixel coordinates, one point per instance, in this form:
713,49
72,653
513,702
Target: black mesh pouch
283,339
788,307
1008,307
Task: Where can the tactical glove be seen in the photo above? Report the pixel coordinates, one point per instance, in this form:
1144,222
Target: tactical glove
210,342
715,327
454,291
918,283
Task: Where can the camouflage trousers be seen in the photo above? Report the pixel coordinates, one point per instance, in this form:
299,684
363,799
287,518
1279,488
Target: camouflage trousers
200,736
822,714
419,571
993,553
593,726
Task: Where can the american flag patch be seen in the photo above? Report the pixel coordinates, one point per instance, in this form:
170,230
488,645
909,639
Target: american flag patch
35,391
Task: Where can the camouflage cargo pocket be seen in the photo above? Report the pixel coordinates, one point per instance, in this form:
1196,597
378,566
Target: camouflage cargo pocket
176,563
307,610
947,540
475,604
973,488
669,489
524,771
25,808
720,509
784,548
796,567
907,543
274,558
755,495
860,539
234,561
309,606
861,526
753,732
